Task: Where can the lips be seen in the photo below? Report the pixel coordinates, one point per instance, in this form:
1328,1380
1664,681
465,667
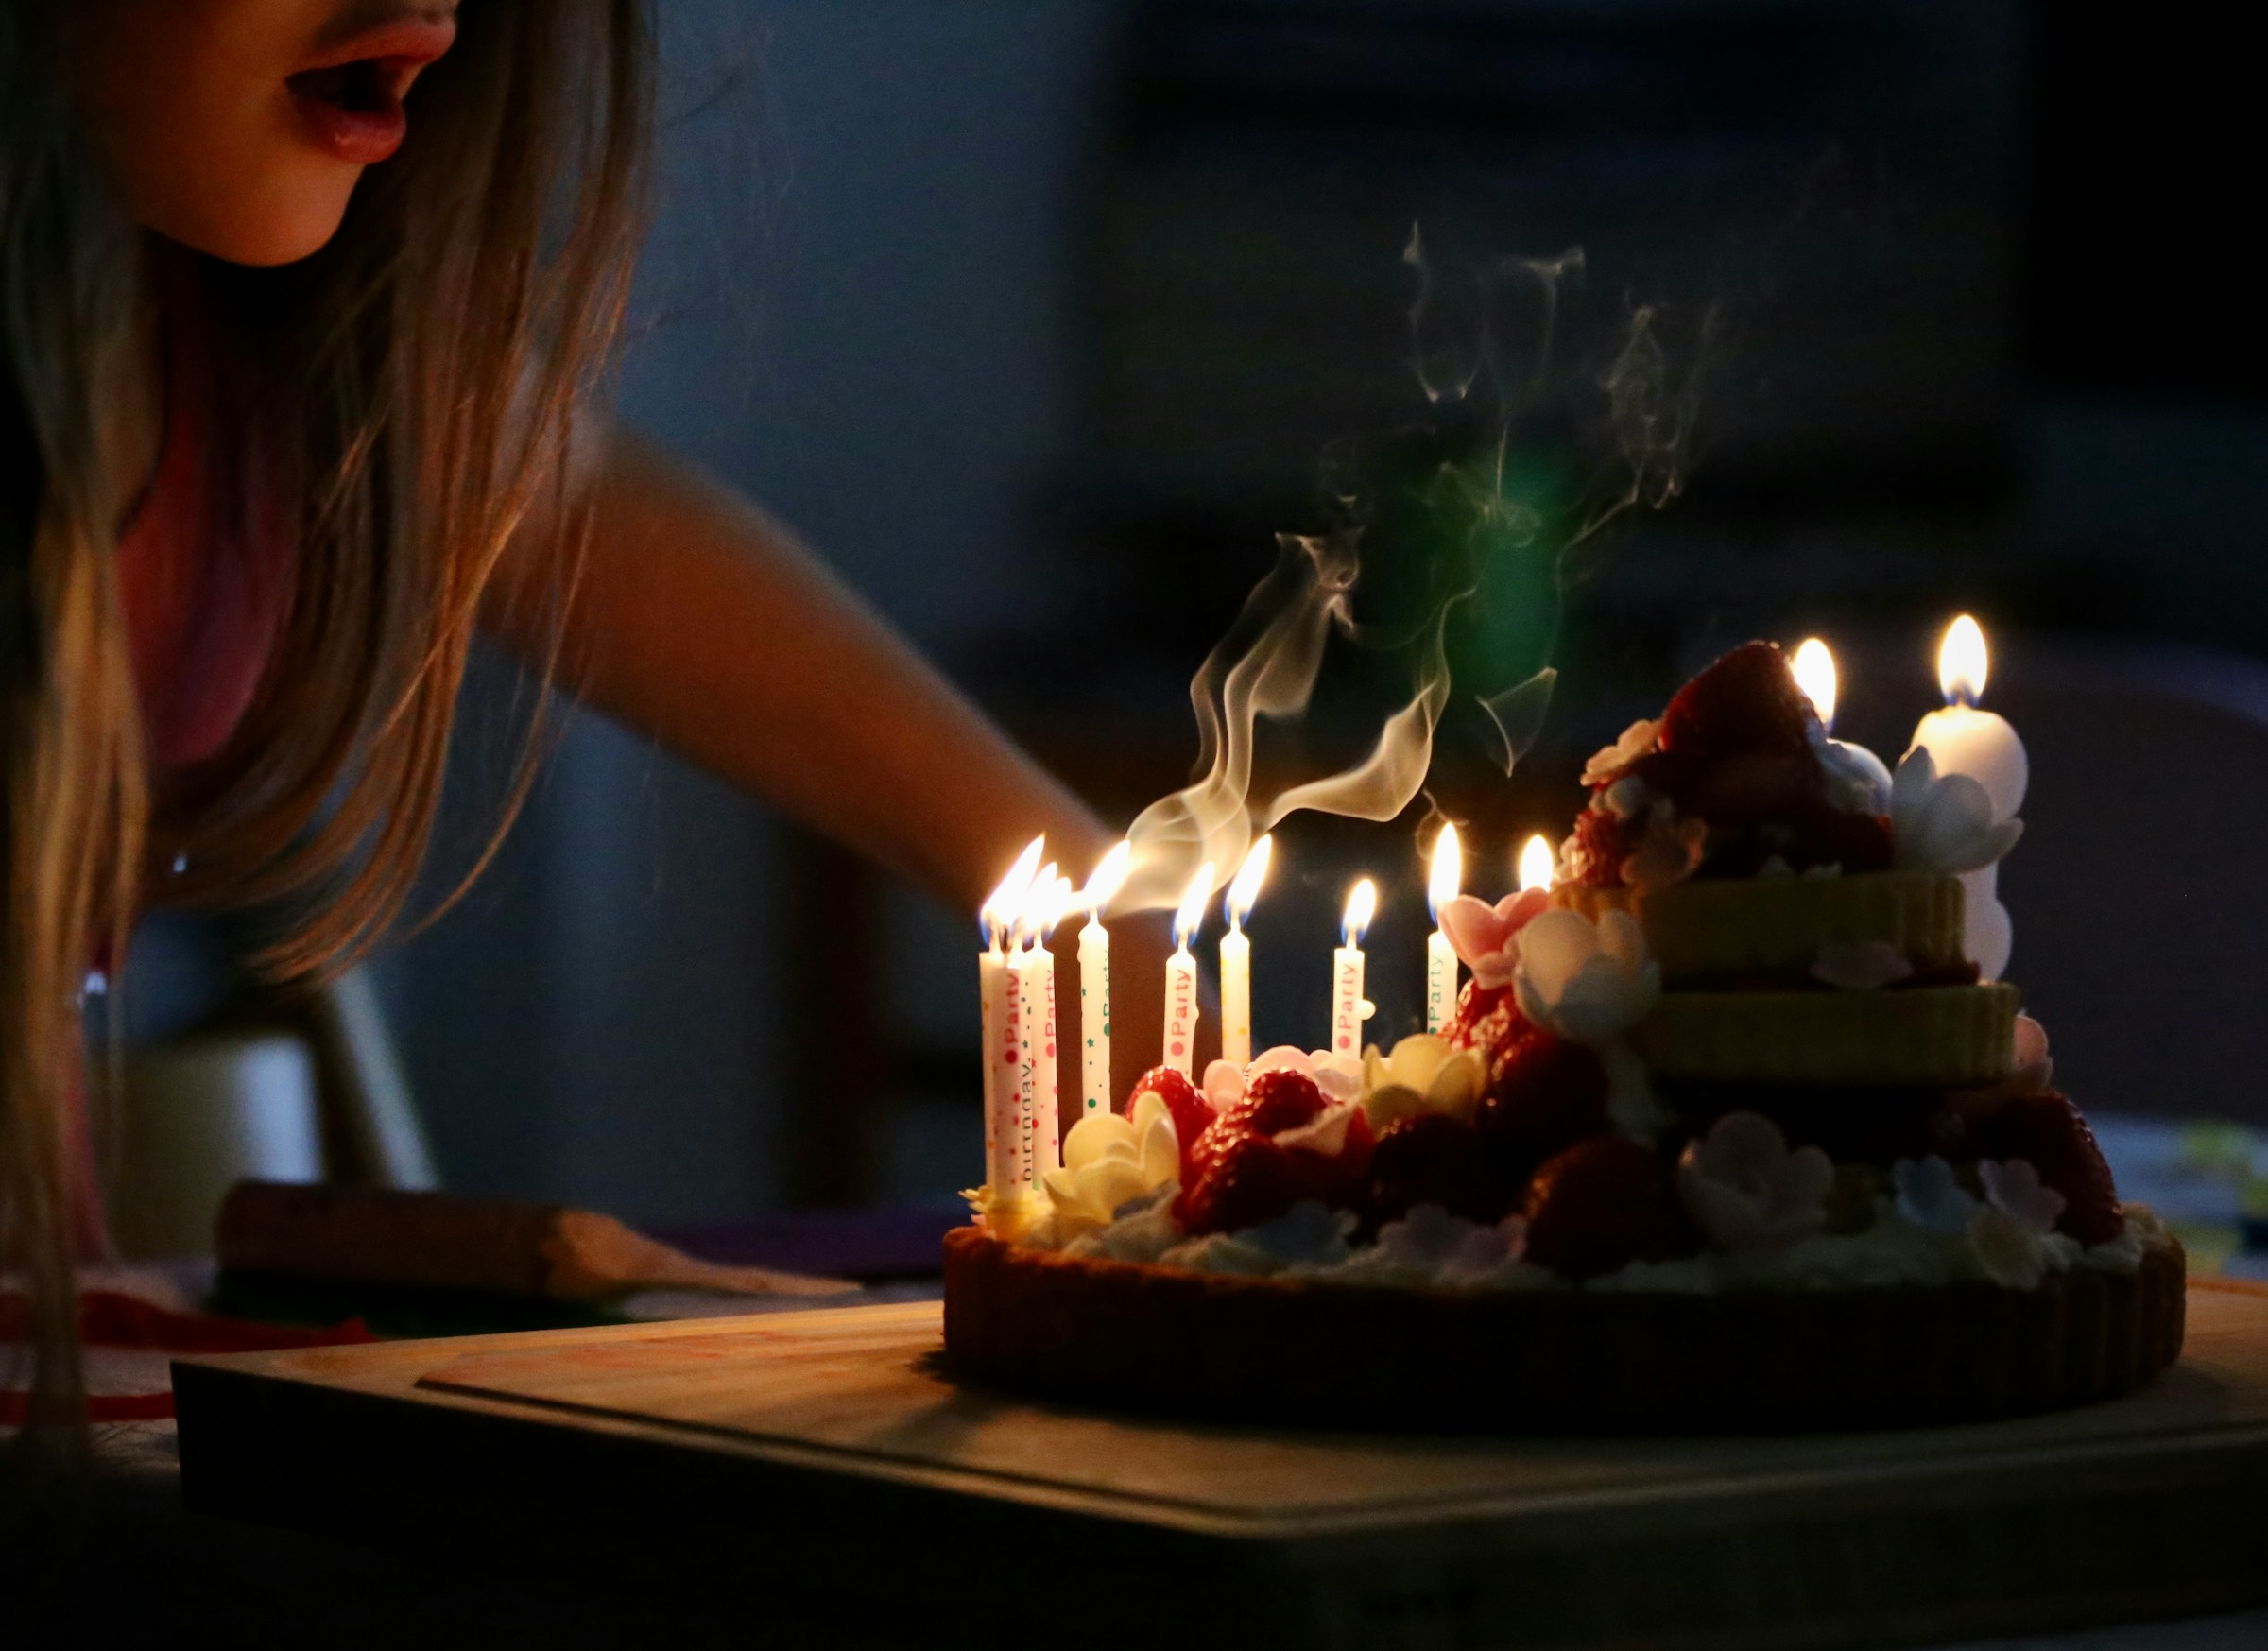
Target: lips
349,99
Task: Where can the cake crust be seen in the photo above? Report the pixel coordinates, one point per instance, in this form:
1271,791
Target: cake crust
1262,1350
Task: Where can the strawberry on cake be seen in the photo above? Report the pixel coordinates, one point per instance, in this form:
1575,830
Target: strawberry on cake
1726,1131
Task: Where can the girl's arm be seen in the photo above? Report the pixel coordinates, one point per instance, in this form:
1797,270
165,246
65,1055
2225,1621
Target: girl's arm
704,622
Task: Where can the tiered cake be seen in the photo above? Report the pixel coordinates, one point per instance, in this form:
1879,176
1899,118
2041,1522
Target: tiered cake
1726,1131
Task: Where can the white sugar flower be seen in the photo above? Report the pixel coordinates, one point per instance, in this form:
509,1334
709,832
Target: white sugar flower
1111,1160
1589,982
1944,823
1747,1190
1639,740
1424,1073
1339,1076
1930,1196
2007,1248
1857,782
1224,1084
1860,965
2014,1189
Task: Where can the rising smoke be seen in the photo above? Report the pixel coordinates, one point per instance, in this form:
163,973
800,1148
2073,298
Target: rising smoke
1456,501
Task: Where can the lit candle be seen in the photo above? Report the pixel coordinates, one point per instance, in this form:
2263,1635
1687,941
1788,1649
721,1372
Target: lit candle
1236,955
1963,739
997,989
1348,1010
1440,957
1094,980
1537,866
1181,974
1855,773
1035,969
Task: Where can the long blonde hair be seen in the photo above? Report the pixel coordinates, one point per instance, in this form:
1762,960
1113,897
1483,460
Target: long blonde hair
417,379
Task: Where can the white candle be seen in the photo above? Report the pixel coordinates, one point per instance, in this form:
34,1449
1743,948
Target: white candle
1348,1007
1236,955
1440,957
994,985
1963,739
999,996
1035,969
1094,982
1181,975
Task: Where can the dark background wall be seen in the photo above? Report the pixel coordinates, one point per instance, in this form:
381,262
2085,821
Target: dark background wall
1033,312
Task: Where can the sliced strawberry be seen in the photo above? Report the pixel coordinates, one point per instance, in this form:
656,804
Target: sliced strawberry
1547,1094
1192,1113
1745,701
2048,1132
1602,1204
1435,1158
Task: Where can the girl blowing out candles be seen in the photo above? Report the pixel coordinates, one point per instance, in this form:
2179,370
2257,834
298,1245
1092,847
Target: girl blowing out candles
307,308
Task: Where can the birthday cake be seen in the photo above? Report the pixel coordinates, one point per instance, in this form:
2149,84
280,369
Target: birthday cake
1733,1126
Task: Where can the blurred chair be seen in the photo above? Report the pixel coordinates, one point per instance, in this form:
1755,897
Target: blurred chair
299,1089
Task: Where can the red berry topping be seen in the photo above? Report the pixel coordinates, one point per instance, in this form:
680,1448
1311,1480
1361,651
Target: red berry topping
1746,701
1192,1113
1743,785
1603,841
1547,1095
1828,836
1488,1017
1602,1204
1245,1179
1483,1013
1435,1158
2047,1132
1240,1176
1278,1099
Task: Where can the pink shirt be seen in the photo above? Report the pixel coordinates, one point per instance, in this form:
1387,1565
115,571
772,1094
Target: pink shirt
206,570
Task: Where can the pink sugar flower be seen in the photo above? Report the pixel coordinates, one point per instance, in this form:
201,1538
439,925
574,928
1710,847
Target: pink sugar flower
1486,938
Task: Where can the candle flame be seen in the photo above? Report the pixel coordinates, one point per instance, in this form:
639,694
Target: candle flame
1060,899
1110,877
1362,905
1033,919
1192,915
1537,866
1249,876
1815,669
1003,906
1448,875
1962,661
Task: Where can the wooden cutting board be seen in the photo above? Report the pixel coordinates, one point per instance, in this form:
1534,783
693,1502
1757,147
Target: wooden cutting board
826,1463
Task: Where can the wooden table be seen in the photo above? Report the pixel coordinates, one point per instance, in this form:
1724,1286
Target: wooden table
827,1458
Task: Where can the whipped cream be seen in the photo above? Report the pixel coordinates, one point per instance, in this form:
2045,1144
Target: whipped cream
1428,1249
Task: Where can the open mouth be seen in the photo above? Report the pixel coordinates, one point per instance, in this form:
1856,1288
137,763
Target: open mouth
353,110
